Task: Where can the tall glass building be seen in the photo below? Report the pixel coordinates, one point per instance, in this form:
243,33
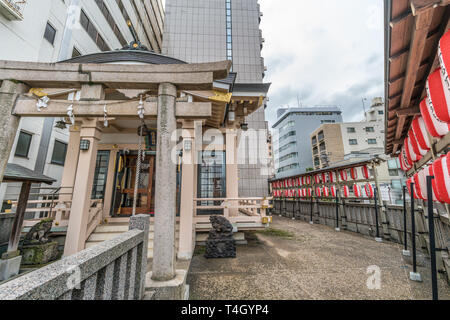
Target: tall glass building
292,145
214,30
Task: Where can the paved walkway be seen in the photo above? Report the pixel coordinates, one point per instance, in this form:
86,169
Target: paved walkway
315,263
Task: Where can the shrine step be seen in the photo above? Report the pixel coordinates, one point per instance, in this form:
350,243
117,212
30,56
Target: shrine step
109,231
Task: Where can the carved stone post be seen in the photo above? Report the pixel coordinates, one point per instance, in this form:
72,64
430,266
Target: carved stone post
165,189
9,123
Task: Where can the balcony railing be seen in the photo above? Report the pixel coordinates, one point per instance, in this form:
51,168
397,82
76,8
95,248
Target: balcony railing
12,9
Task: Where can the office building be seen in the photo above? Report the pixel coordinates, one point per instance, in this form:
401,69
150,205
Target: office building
292,145
213,30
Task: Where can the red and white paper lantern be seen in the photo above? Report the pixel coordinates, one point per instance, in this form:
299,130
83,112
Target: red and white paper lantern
326,192
308,180
420,132
408,186
333,191
365,172
436,127
439,94
331,177
415,144
410,154
357,191
345,191
343,174
318,192
403,159
354,173
441,170
368,188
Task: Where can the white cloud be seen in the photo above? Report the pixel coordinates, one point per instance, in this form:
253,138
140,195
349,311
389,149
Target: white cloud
328,52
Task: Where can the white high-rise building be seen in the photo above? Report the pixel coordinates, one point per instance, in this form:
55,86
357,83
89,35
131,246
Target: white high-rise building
57,30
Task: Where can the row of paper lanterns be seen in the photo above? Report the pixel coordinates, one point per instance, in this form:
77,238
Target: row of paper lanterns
325,192
325,177
434,111
434,120
440,169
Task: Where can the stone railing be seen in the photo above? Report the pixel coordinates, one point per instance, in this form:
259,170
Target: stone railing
360,218
112,270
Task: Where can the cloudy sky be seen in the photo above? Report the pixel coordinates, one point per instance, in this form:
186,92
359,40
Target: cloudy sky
326,52
323,52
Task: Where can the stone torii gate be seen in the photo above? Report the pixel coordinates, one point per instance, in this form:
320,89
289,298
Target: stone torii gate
93,80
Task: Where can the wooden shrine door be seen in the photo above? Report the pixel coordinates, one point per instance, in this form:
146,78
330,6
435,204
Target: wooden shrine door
125,184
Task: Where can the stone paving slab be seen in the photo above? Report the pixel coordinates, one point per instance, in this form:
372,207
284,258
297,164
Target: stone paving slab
316,263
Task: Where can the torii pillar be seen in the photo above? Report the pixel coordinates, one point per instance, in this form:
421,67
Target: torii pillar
166,187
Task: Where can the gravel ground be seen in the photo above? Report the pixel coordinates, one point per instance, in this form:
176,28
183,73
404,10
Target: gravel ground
308,262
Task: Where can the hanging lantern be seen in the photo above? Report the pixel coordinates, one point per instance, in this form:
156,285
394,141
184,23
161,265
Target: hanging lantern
333,191
368,188
318,192
404,163
435,126
441,170
354,173
420,132
444,61
324,177
343,174
415,144
439,97
357,191
365,172
408,185
419,188
310,192
345,191
332,177
410,154
422,178
326,192
317,179
308,180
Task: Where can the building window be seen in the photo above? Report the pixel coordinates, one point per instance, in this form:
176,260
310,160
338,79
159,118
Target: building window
327,121
380,112
23,145
393,172
370,129
100,175
393,164
59,153
104,9
353,142
229,31
351,130
92,31
75,53
372,141
50,33
396,184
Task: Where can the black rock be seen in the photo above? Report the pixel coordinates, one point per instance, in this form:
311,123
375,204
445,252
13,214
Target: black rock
220,242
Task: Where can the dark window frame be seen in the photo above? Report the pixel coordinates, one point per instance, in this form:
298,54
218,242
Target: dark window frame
56,162
46,34
28,147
